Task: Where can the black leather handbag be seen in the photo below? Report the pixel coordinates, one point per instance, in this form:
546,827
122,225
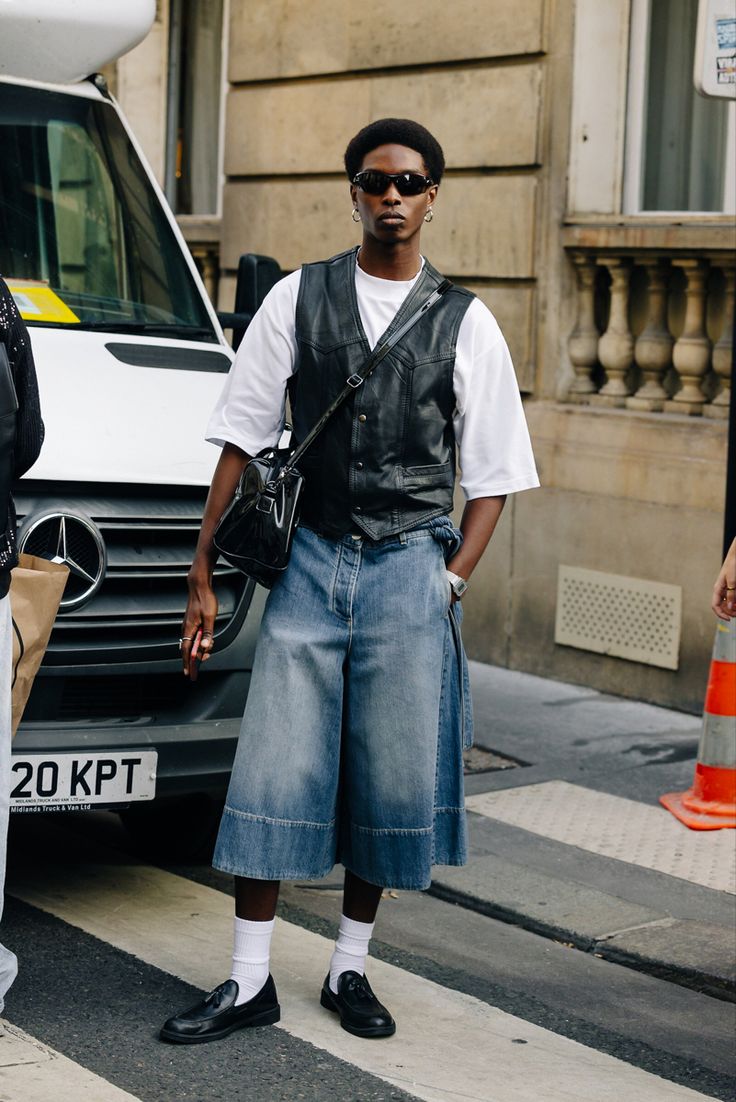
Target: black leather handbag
256,530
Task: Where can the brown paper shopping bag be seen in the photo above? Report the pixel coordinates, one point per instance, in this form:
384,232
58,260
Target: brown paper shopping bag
36,588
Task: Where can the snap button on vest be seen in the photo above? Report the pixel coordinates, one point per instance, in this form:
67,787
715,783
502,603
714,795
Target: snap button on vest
362,418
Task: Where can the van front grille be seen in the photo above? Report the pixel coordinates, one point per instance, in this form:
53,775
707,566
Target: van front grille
150,537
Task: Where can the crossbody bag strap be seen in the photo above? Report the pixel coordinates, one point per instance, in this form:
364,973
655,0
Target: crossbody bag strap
370,365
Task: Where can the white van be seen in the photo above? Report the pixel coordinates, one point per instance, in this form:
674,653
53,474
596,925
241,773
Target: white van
130,358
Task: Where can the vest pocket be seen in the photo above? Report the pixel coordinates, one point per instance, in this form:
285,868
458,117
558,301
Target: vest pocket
429,476
326,343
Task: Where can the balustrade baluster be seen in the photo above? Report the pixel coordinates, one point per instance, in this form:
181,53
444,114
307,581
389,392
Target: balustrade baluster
722,350
653,347
582,344
691,354
616,346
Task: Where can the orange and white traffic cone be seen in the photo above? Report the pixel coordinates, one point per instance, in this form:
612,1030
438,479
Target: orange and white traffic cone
711,802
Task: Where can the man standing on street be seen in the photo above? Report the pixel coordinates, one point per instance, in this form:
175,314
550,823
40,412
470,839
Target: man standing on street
340,757
21,436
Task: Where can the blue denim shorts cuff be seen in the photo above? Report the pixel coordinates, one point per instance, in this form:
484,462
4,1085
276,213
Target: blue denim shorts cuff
450,837
392,832
263,849
270,872
269,821
395,881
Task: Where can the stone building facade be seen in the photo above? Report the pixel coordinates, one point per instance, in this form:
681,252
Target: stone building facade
619,318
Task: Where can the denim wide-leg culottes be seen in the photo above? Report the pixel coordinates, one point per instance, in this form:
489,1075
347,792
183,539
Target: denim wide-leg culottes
342,756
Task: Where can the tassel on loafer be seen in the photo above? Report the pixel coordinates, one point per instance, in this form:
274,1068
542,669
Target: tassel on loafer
359,1009
217,1015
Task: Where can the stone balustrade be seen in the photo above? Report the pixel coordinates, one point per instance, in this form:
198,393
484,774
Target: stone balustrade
653,329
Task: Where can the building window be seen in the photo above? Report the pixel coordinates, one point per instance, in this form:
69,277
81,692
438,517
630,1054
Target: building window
680,147
194,108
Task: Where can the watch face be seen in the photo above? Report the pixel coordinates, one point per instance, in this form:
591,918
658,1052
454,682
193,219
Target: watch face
458,585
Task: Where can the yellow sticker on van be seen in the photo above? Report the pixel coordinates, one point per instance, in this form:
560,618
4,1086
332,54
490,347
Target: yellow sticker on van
37,302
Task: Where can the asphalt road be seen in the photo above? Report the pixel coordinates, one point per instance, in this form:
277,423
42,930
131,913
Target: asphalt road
110,944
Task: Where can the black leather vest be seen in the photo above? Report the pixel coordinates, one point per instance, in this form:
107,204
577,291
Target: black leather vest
386,461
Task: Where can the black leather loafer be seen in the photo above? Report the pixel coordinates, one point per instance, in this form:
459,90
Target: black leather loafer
359,1009
217,1015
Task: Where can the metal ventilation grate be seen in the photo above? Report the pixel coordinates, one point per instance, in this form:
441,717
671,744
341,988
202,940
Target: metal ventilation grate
623,617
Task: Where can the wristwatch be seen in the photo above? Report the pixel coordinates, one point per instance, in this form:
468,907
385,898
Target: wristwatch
457,584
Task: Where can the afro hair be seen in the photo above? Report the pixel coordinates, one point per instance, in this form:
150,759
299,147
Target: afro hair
395,132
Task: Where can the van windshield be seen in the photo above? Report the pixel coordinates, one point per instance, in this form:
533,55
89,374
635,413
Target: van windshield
83,239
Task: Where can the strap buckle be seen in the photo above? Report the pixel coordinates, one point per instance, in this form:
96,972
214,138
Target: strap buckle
354,381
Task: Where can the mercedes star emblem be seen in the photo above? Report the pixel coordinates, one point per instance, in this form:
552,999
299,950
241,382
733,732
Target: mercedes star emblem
71,540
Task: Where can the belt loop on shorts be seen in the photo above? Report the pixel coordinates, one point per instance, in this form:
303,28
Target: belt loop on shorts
402,538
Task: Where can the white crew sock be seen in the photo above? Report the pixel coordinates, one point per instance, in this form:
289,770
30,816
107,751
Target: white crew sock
351,949
251,954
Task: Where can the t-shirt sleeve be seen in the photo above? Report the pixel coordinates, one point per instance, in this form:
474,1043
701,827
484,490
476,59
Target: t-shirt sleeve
496,455
250,410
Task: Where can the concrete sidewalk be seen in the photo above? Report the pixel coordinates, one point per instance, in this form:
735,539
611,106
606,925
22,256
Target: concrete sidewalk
32,1072
568,838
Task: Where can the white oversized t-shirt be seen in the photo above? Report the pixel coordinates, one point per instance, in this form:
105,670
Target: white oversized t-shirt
495,452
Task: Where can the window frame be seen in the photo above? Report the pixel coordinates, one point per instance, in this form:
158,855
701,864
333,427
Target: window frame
171,112
634,129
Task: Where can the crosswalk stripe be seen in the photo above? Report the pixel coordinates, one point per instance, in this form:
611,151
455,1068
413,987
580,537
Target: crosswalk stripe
449,1046
33,1072
615,827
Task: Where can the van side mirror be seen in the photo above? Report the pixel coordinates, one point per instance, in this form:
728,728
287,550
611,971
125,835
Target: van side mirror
256,276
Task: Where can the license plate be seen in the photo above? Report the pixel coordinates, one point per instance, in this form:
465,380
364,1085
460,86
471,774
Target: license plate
68,782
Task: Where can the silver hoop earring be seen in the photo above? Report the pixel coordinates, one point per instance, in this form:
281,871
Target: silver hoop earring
355,215
429,215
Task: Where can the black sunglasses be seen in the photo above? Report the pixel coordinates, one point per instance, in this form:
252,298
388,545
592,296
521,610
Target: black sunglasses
373,182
